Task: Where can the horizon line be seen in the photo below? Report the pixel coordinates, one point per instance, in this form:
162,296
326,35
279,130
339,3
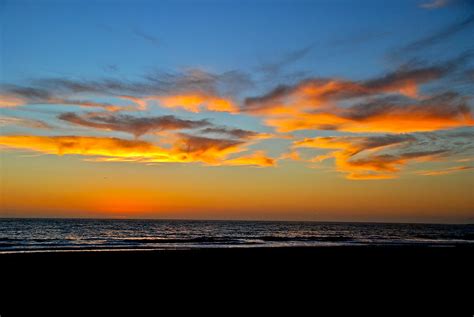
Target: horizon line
235,220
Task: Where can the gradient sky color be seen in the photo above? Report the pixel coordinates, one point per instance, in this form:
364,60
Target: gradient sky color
294,110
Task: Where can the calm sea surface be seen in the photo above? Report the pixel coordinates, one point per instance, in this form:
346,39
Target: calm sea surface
31,235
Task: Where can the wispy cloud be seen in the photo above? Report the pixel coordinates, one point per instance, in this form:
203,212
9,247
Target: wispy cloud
194,90
29,123
449,170
436,4
436,37
273,70
16,96
146,36
234,133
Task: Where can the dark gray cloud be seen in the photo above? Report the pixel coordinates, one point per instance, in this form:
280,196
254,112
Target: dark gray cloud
230,132
229,82
198,144
443,106
134,125
459,142
366,143
153,83
36,95
106,86
139,126
71,91
274,95
32,94
399,77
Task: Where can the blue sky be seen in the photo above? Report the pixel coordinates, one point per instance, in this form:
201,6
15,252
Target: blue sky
90,38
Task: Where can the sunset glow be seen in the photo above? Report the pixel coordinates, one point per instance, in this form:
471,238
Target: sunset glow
305,114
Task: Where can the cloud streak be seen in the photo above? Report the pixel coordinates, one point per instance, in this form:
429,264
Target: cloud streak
446,171
233,133
274,69
435,4
16,96
137,126
185,149
147,37
29,123
193,90
438,36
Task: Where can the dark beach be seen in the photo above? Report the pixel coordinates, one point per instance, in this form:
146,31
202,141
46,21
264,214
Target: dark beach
439,277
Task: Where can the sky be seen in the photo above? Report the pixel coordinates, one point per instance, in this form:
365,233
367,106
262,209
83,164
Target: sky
254,110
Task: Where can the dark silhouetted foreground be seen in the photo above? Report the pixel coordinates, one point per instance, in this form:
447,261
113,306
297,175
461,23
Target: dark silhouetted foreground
430,277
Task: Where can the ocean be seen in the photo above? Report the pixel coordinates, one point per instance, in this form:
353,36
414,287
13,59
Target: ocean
50,235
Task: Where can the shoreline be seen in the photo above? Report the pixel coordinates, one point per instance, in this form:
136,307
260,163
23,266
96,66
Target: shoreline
461,245
418,251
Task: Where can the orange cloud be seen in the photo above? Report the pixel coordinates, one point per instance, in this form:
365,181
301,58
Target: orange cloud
190,101
89,146
311,94
308,95
208,150
305,121
185,149
196,102
383,115
386,104
364,157
401,120
258,158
